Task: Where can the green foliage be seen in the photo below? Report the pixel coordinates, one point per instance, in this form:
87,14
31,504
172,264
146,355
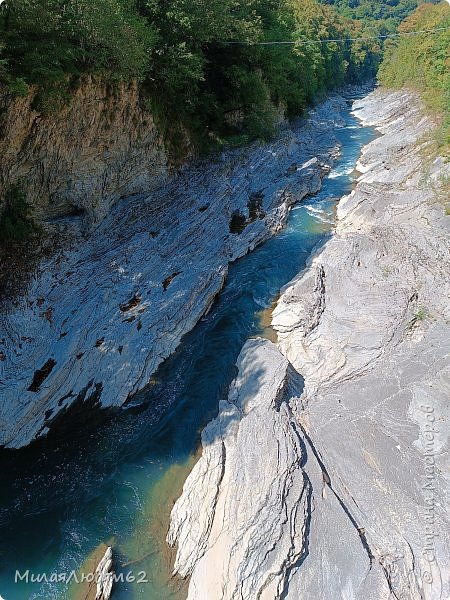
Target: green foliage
18,87
422,62
382,15
420,316
198,78
193,81
371,18
3,67
46,42
15,221
189,79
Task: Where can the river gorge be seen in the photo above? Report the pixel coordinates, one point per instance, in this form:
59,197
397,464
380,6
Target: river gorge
281,308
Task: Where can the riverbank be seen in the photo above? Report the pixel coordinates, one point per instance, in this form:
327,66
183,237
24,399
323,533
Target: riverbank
343,494
101,315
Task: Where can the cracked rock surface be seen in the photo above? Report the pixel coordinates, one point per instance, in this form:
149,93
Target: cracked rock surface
258,498
332,484
101,315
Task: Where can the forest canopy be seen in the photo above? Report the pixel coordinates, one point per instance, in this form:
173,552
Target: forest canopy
179,51
383,14
191,76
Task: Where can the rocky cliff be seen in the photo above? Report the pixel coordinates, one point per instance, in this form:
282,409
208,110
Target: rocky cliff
103,145
102,313
323,476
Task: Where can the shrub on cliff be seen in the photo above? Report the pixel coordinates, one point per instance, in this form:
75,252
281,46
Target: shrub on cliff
16,222
47,41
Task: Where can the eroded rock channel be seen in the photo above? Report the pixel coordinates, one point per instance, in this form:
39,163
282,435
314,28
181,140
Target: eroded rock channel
106,310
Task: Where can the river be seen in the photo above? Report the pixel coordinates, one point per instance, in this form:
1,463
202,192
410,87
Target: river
114,479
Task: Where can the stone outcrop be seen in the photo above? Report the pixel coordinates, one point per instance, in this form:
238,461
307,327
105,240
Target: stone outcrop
333,486
95,579
102,146
259,497
104,576
101,315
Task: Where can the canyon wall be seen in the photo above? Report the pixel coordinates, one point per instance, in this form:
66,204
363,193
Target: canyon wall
101,146
102,312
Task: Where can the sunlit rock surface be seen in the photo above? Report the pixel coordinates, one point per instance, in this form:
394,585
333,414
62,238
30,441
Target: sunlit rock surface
104,576
95,578
99,147
335,487
101,315
258,499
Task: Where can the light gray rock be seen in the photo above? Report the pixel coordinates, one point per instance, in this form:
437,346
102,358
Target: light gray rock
100,316
226,540
104,575
259,500
367,326
96,577
357,457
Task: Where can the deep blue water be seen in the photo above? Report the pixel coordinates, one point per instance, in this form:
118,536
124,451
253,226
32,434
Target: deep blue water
115,478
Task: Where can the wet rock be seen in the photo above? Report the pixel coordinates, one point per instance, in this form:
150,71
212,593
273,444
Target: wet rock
96,576
104,576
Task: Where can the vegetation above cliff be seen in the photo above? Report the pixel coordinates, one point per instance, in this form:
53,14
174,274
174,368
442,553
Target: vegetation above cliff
207,69
423,62
51,43
191,76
